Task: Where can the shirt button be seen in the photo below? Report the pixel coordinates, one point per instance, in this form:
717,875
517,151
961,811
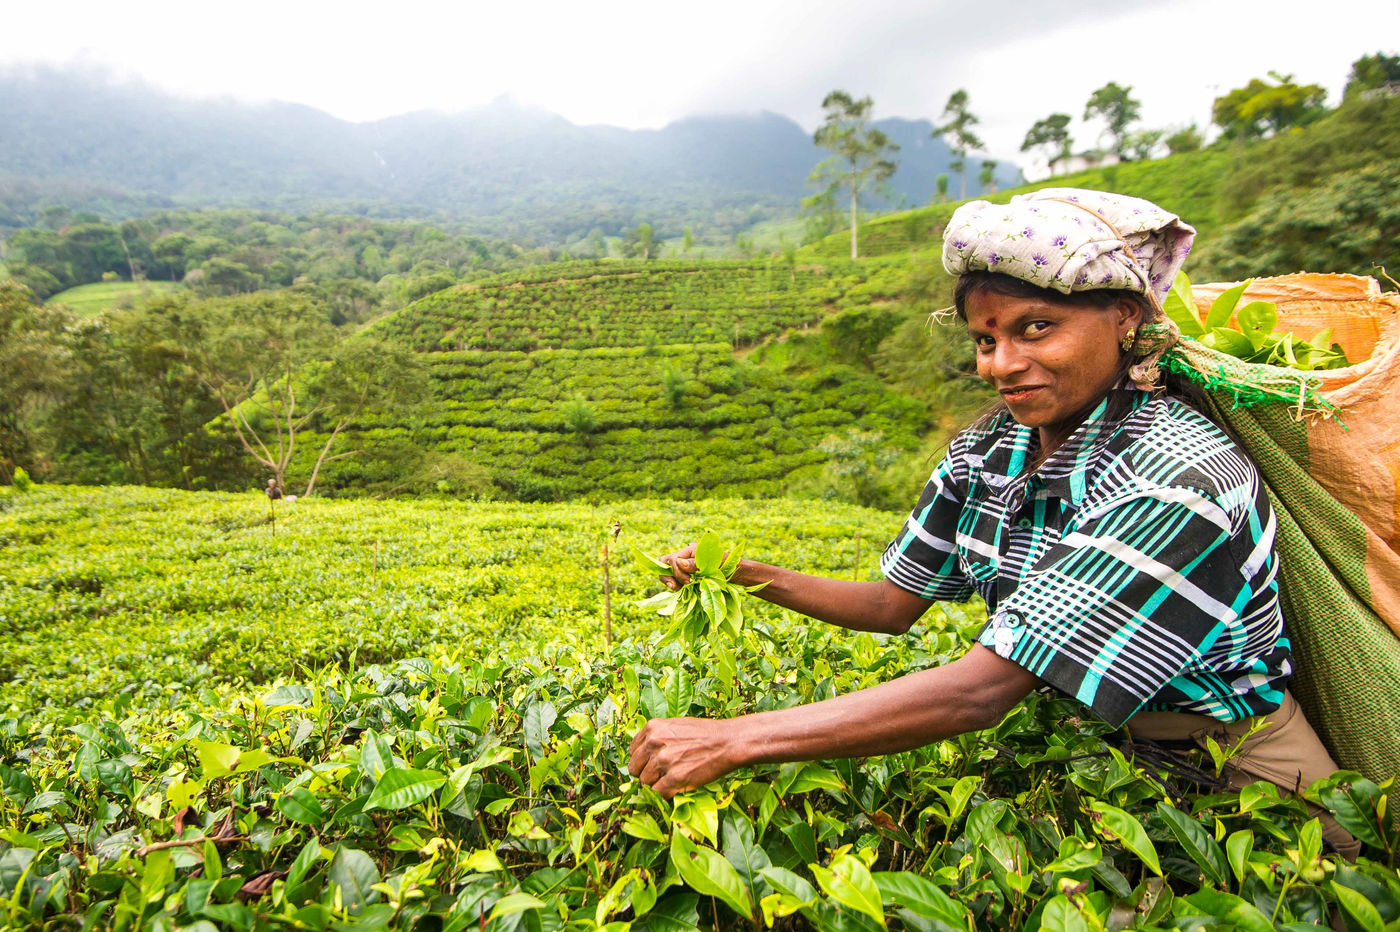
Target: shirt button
1025,523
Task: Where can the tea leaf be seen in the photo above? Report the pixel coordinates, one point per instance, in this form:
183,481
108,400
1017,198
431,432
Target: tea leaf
1224,305
706,871
1121,826
401,787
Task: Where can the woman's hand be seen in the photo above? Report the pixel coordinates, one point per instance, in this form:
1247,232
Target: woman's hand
671,755
682,564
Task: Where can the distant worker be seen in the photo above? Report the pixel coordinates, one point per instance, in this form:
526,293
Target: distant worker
1123,543
273,492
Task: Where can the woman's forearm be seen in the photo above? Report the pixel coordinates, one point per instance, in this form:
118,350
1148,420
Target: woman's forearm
914,710
973,692
878,606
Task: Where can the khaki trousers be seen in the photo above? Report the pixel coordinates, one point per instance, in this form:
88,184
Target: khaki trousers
1287,753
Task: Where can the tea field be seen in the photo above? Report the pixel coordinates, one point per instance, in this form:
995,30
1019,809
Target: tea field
359,714
617,379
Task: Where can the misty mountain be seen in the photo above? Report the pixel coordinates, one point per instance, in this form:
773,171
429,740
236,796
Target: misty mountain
79,139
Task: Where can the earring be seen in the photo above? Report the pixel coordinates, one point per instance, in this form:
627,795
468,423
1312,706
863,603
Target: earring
1128,339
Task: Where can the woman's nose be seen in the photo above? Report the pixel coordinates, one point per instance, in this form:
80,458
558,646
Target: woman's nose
1005,359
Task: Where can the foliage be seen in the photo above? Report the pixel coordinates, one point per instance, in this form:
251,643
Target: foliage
1263,108
957,129
640,243
1371,72
1348,224
861,154
1361,132
1253,338
1115,105
1141,144
483,786
1185,139
708,604
1051,133
88,300
233,251
21,481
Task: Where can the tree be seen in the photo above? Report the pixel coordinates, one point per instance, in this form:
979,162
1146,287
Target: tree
986,178
860,158
1186,139
940,188
1261,108
1140,144
363,376
1370,72
1116,106
31,365
957,132
251,353
1053,134
640,242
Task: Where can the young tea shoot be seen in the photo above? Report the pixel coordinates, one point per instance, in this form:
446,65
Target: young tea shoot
709,602
1253,338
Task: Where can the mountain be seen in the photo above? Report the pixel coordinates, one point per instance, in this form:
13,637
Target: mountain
513,170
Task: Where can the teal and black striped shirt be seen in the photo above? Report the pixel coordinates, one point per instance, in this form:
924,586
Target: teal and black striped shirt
1134,570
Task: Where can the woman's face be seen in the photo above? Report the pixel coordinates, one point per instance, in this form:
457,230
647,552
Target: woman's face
1048,361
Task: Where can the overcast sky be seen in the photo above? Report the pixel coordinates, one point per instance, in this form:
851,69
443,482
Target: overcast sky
642,63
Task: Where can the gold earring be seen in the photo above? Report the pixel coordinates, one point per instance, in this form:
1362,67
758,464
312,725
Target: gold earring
1128,339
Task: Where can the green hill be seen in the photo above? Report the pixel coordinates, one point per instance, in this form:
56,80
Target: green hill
605,380
1319,197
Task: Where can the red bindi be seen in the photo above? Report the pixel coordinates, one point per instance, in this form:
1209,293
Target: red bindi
991,323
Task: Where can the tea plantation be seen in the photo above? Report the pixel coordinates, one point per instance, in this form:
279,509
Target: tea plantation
613,379
357,714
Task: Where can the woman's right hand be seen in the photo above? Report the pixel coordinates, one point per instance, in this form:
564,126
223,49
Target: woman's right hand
682,564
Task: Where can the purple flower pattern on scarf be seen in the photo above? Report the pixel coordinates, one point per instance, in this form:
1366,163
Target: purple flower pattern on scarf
1067,247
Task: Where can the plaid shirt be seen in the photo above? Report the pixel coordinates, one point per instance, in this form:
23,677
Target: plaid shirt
1133,570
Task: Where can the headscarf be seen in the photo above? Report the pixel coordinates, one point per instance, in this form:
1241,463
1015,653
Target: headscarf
1070,239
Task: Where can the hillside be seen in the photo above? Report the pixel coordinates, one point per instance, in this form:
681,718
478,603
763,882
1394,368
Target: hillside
603,380
1187,184
1319,197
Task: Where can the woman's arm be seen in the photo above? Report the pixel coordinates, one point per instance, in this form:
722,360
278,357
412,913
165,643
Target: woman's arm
878,606
972,693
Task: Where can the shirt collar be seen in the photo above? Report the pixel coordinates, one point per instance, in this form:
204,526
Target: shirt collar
1063,474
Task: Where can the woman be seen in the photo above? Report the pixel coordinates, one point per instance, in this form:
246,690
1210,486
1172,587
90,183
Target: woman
1122,542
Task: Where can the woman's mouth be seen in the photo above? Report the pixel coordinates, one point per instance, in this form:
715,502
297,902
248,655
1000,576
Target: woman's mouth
1020,393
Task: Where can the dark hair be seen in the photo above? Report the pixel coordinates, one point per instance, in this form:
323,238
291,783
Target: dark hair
999,283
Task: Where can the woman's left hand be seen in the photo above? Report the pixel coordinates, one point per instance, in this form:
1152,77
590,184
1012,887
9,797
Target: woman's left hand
675,754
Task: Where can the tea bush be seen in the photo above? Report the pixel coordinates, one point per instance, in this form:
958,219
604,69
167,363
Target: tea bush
476,776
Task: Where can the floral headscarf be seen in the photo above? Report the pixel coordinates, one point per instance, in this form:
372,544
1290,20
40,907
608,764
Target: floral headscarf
1070,239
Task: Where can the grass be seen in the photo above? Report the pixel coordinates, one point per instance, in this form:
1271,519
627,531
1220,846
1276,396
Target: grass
91,300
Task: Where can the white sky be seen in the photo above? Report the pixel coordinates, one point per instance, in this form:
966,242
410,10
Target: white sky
642,63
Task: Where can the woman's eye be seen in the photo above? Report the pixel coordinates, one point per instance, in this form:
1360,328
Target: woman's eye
1037,327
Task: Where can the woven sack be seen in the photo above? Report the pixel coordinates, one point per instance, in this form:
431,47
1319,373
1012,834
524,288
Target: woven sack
1328,447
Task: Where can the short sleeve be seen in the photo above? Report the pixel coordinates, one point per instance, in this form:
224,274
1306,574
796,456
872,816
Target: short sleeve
923,558
1132,596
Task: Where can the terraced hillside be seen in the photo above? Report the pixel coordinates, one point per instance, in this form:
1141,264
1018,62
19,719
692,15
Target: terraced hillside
605,380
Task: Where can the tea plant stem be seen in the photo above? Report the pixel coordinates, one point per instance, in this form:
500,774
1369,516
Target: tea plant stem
607,599
186,843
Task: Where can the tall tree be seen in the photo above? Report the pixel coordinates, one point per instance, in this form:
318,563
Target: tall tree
957,132
861,155
986,177
251,353
1262,108
1117,107
1052,133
